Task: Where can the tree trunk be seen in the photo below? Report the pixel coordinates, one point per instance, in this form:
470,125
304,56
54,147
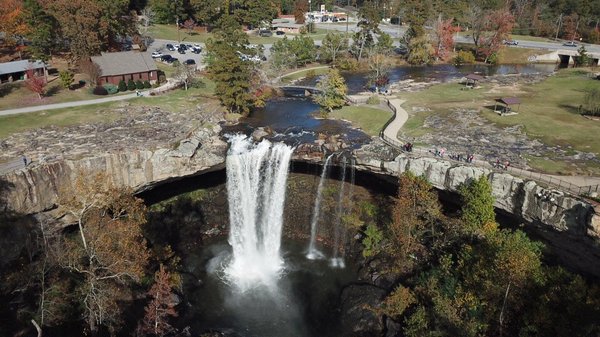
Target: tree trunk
37,327
501,319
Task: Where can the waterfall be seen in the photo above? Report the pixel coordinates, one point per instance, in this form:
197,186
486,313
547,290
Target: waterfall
336,261
256,186
313,252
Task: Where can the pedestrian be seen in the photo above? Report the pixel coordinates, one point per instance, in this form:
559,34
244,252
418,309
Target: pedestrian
24,160
497,162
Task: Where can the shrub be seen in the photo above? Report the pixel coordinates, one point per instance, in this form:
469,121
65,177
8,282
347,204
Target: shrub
311,74
373,100
346,63
66,78
139,85
101,91
111,88
464,57
131,85
196,83
122,86
147,85
493,59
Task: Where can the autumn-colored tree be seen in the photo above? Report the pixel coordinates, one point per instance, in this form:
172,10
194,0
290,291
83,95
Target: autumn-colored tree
499,24
379,66
300,8
12,21
189,24
35,82
111,254
160,308
443,38
414,216
570,26
92,69
333,90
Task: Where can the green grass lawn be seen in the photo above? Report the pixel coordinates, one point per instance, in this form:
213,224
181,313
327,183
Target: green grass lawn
175,101
169,32
319,70
369,119
549,110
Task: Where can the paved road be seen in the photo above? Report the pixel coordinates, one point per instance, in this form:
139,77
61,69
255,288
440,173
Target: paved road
66,104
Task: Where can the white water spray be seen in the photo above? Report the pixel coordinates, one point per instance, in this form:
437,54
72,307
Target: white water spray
313,252
256,186
336,261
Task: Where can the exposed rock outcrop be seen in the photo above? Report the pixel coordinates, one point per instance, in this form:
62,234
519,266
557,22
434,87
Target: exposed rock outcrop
36,188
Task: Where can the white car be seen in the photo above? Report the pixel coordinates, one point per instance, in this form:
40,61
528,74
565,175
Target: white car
156,54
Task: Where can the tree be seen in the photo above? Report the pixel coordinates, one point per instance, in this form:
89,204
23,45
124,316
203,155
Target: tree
571,24
420,51
369,18
43,32
232,75
332,91
91,69
304,49
160,308
189,24
113,254
12,21
185,73
254,13
207,12
499,24
379,66
282,56
443,38
583,59
478,205
332,45
66,78
147,19
385,44
167,11
35,82
300,8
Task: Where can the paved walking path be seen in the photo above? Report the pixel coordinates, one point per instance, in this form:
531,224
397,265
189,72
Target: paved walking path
573,184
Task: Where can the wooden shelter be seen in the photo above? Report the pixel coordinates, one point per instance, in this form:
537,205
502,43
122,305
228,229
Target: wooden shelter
472,80
507,103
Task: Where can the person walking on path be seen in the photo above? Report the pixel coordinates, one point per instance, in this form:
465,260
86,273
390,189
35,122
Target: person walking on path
25,161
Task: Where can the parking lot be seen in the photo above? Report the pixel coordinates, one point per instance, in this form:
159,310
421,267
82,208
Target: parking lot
160,46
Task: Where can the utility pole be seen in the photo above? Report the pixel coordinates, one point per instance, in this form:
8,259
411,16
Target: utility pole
178,34
559,22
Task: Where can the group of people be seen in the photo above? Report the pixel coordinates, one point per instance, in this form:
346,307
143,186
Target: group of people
407,147
502,165
459,157
438,153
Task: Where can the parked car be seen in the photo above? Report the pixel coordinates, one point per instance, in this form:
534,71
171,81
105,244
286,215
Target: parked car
166,58
511,42
156,54
182,46
189,46
189,62
173,60
570,44
170,47
280,32
181,50
196,50
265,33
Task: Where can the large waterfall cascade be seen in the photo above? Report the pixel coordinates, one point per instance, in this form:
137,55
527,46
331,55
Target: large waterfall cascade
256,187
336,261
313,252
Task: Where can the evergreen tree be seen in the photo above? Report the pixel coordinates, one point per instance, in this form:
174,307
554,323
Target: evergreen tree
232,75
44,36
478,205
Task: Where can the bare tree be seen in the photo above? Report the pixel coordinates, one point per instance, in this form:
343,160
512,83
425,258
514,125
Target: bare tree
91,69
185,73
147,19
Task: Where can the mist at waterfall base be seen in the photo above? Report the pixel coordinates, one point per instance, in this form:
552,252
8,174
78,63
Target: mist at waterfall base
255,285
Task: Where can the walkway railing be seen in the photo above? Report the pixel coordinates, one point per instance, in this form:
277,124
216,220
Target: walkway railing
548,180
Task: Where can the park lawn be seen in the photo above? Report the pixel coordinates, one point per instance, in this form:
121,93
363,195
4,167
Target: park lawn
369,119
295,75
548,112
175,101
169,32
515,55
17,95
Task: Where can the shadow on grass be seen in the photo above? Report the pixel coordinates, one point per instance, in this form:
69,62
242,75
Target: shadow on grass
52,91
7,88
577,110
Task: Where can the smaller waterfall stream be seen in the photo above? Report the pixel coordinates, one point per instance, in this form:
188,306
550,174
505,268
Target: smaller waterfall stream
336,261
256,186
313,252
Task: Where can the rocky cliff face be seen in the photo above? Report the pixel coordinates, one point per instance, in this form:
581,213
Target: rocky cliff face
36,188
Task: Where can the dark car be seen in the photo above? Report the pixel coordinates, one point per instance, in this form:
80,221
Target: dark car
279,32
570,44
181,50
182,46
173,60
170,47
166,58
265,33
196,50
189,62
